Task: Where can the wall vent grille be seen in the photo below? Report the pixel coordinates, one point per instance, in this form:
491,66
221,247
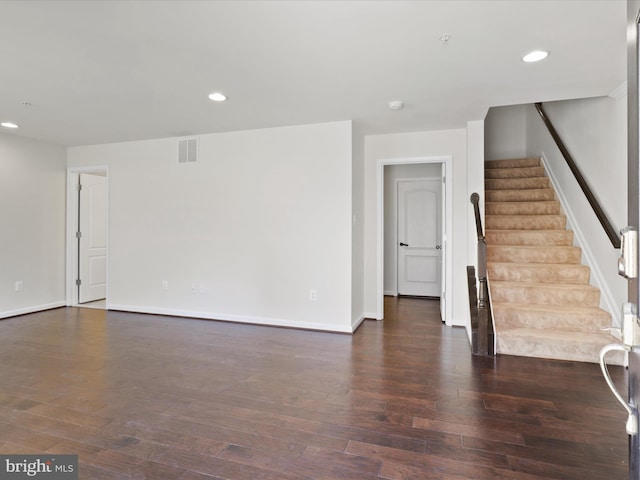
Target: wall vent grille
188,150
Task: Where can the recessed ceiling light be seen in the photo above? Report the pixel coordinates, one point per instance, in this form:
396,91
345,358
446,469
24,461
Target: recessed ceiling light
534,56
9,125
217,97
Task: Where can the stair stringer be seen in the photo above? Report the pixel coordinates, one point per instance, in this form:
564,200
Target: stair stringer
607,301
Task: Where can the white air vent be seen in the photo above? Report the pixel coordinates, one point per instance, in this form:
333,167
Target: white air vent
188,150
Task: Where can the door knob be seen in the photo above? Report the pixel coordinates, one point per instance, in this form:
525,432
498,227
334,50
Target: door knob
404,244
438,247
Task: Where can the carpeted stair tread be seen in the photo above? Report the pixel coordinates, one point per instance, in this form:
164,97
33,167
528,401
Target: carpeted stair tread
545,293
533,254
561,317
556,344
520,195
526,222
523,208
516,183
512,163
530,237
522,172
539,273
542,302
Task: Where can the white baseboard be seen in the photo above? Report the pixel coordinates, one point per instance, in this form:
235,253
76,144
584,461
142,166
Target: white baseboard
267,321
32,309
355,324
607,299
373,316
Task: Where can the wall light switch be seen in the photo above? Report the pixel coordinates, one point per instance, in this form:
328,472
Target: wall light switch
18,286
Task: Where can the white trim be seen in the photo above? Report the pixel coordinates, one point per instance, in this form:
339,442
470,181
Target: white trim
447,225
32,309
370,316
597,279
390,293
267,321
356,324
71,220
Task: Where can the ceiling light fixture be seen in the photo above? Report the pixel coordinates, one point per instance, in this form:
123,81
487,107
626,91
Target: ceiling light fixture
9,125
217,97
535,56
444,38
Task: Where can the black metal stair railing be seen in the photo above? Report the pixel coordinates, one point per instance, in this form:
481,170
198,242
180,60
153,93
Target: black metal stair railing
482,335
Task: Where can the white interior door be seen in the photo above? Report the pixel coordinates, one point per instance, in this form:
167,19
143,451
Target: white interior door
419,237
92,242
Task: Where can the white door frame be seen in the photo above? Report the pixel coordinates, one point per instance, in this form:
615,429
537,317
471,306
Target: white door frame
72,224
447,225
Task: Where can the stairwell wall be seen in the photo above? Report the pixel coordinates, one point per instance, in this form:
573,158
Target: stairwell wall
594,131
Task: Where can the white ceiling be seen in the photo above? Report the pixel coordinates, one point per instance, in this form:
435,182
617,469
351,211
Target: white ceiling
108,71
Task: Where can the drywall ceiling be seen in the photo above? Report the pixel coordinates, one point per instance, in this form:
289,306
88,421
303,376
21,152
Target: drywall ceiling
109,71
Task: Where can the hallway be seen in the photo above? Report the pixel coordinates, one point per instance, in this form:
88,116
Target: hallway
139,396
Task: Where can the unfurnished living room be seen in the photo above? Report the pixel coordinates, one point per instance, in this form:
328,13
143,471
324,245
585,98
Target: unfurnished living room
315,239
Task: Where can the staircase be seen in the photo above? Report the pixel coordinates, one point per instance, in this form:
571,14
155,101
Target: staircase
543,304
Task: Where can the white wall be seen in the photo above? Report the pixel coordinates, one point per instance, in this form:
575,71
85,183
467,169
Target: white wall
264,217
357,252
594,131
32,213
475,183
391,174
420,144
505,132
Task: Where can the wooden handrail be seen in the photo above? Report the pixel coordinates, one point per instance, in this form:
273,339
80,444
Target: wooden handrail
611,232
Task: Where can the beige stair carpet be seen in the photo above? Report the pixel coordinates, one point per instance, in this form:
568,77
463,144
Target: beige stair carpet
542,301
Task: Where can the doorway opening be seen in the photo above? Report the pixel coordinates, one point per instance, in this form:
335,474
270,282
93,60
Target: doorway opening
418,262
87,237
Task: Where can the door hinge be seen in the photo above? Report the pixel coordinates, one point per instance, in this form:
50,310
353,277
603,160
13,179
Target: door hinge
78,234
78,187
78,282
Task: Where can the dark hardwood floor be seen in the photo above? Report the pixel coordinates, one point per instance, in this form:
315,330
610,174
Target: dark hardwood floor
151,397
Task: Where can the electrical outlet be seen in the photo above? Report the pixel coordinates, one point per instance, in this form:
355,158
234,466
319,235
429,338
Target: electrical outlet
18,286
165,285
313,295
194,288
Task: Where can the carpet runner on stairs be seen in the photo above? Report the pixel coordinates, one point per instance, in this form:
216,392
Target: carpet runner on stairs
543,304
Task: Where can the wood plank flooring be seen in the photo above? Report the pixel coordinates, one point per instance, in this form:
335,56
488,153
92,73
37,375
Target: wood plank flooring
152,397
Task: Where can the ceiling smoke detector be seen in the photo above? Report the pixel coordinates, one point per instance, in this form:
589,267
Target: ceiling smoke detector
396,105
444,38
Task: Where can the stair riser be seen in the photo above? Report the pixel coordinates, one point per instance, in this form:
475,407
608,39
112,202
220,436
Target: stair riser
512,163
532,195
514,293
526,172
516,183
526,222
522,208
563,274
578,352
511,318
496,253
533,237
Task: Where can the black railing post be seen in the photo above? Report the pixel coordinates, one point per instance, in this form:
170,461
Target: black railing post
479,301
